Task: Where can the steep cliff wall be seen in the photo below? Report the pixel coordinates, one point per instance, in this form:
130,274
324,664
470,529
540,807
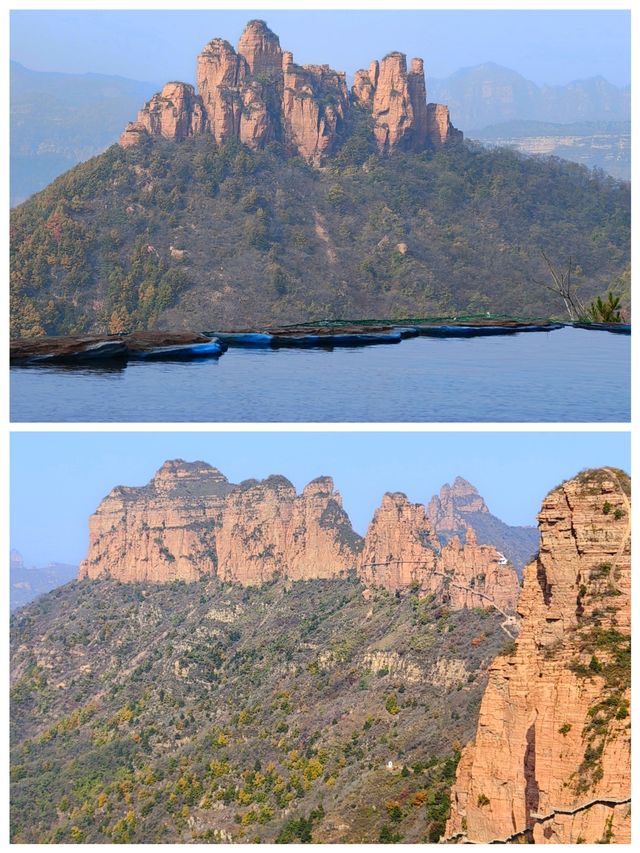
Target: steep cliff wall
189,522
551,759
160,532
267,529
257,94
402,551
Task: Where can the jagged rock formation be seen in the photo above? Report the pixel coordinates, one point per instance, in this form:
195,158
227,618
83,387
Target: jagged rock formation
459,506
267,529
446,508
401,551
257,95
551,758
190,523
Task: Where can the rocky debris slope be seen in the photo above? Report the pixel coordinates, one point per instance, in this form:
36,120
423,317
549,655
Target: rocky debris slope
258,95
190,523
551,759
459,506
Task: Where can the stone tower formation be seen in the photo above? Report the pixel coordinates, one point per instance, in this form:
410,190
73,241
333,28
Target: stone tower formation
257,94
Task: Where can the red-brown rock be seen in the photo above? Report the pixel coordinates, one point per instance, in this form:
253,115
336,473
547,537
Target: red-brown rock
257,95
551,758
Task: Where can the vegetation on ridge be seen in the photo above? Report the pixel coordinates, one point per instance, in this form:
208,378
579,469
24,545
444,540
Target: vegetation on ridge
193,234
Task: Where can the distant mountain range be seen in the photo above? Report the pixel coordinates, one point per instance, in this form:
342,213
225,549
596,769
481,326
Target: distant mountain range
28,583
489,94
58,120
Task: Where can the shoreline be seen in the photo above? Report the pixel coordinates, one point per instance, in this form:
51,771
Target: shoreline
188,345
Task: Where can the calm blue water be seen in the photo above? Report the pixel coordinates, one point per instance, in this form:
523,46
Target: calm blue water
566,375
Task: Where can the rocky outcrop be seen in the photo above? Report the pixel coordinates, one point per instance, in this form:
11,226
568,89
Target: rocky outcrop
439,127
314,105
257,95
551,759
459,507
268,529
175,113
160,532
220,73
402,551
133,134
398,102
190,522
448,509
392,108
261,50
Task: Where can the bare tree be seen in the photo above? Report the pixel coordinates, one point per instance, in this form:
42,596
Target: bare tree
562,285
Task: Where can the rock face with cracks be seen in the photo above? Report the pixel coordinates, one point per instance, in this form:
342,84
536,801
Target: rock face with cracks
256,94
551,758
190,523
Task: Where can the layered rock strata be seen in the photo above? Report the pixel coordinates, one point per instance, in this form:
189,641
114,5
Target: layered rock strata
257,95
190,523
551,759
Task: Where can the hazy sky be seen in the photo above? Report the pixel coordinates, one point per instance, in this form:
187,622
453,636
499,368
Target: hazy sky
545,46
58,479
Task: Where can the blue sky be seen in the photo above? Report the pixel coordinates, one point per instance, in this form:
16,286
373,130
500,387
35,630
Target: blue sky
555,46
58,479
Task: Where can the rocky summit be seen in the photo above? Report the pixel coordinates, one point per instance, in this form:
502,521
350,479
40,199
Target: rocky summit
257,94
459,506
190,523
551,758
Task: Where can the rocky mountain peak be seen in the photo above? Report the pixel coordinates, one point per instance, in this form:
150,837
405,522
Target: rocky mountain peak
261,49
257,95
176,472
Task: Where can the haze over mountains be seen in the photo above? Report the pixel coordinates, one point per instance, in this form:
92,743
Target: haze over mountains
58,120
28,582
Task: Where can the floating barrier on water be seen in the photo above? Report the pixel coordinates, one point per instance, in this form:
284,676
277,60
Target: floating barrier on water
87,350
471,331
95,350
264,340
87,354
188,352
616,328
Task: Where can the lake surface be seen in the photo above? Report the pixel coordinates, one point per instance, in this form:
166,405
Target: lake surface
565,375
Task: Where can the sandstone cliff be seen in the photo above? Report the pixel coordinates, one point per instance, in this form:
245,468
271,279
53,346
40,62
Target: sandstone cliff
190,522
257,94
160,532
268,529
401,551
551,758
